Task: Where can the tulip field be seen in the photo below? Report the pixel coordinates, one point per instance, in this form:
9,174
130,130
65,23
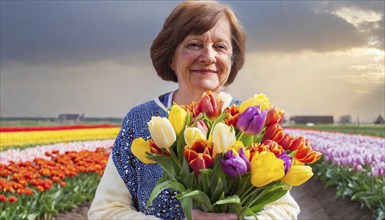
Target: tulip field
48,170
354,164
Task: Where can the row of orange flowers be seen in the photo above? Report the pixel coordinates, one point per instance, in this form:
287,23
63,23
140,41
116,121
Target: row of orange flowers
28,178
30,138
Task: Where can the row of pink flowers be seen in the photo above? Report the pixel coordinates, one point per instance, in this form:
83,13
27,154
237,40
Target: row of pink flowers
29,154
356,151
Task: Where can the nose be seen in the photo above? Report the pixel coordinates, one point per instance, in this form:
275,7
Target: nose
208,55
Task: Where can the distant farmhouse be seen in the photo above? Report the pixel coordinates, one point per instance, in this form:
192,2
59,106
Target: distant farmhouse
70,118
328,119
379,121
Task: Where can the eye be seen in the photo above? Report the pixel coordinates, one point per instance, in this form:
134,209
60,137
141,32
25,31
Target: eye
194,45
221,46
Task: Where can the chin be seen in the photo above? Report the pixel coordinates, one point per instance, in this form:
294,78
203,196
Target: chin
205,85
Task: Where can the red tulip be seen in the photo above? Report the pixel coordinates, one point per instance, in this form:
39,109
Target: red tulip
274,116
305,153
199,155
273,132
274,147
210,104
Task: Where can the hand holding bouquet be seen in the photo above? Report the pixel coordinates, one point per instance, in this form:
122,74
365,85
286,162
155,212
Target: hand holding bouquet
222,158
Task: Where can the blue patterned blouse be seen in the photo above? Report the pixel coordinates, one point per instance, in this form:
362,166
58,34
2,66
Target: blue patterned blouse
141,178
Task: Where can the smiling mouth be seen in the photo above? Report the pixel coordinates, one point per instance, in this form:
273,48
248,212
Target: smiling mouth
205,71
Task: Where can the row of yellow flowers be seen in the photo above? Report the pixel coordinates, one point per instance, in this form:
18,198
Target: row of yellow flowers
17,139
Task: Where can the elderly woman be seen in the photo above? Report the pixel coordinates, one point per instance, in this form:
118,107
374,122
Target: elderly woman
201,47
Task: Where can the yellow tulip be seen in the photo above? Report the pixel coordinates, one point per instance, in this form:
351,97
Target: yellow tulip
192,134
238,145
223,138
258,99
139,148
177,117
297,175
161,132
266,168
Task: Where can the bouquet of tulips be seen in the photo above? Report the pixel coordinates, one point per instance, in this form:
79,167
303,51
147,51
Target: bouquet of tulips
222,158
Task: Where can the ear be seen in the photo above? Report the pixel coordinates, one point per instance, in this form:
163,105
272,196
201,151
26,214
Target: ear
171,64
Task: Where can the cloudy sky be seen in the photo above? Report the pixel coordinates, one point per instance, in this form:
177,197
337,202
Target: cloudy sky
92,57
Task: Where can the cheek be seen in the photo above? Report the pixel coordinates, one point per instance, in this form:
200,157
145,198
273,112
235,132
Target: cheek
226,65
184,60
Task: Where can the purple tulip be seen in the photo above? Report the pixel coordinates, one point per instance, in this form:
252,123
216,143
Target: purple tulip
286,161
252,120
234,165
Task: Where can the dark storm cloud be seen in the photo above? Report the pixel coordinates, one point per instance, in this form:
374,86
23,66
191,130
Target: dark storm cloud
47,32
78,31
301,25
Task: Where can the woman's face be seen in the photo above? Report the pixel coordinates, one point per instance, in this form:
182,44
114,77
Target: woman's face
203,62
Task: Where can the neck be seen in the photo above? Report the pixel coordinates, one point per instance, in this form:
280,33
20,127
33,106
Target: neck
182,97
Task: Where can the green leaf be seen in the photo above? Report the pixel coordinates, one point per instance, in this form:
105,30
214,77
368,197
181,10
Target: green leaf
187,206
217,190
202,199
32,216
165,162
204,180
218,173
180,145
163,178
187,177
245,184
228,200
247,139
164,185
242,211
292,154
258,138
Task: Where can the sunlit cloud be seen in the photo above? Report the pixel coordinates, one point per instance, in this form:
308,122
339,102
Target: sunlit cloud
357,16
373,54
367,22
367,74
369,70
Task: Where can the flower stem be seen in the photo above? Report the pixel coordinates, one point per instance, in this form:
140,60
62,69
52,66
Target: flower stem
240,135
172,153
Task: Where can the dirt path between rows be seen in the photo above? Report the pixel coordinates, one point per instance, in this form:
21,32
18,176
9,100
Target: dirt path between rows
315,201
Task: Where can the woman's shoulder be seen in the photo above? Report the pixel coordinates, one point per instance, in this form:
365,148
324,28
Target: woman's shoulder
144,111
146,106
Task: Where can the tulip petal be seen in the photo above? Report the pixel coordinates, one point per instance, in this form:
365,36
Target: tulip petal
266,168
177,117
139,148
161,132
297,175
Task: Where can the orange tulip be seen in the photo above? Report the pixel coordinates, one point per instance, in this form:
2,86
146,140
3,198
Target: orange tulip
199,155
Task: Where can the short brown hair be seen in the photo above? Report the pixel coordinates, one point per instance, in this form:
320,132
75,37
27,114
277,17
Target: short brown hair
195,17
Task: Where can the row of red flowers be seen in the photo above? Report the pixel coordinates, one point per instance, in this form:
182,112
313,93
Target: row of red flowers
26,178
55,128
